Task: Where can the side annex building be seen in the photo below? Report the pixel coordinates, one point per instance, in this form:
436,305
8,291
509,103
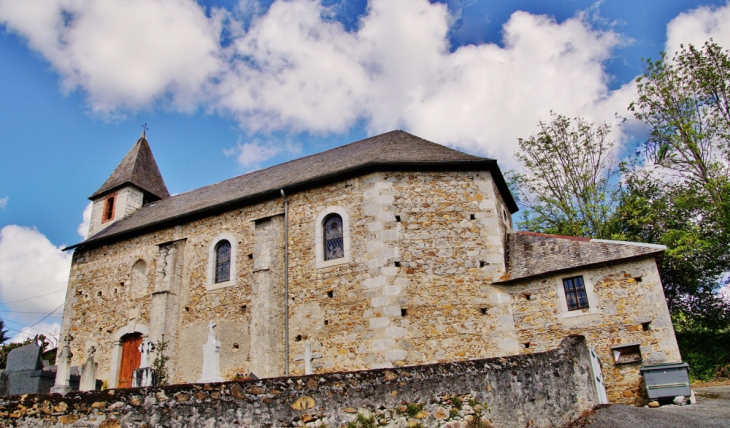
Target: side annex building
385,252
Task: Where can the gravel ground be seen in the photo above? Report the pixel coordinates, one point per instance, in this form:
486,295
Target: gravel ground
712,410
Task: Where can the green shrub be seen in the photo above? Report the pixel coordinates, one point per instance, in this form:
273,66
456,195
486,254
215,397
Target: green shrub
707,353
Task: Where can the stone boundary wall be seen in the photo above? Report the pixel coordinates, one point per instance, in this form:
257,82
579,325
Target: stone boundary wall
548,389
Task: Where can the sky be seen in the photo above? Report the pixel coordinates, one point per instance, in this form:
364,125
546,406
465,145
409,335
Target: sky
227,87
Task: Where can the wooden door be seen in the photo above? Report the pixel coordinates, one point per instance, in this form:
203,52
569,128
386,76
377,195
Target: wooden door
130,358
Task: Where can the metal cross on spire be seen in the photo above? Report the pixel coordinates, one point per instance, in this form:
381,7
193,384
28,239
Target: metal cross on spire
144,131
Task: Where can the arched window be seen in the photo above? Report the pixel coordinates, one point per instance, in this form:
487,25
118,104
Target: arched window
334,245
223,262
332,237
138,286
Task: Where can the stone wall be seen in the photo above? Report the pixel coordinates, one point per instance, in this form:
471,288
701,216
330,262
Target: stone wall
425,247
547,389
627,306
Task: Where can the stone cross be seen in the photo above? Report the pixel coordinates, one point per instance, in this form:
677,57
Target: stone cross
88,372
63,373
211,358
308,357
146,348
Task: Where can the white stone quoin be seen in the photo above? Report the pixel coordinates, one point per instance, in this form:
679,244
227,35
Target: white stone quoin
63,373
211,358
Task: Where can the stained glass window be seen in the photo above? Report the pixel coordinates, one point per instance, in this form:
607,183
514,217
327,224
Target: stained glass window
334,247
223,262
575,293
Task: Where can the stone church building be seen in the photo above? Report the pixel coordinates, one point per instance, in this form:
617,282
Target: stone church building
385,252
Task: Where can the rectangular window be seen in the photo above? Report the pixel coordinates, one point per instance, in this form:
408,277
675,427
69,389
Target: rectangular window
575,293
108,209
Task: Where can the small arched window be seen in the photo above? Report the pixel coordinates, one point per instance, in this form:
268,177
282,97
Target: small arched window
223,262
334,246
138,286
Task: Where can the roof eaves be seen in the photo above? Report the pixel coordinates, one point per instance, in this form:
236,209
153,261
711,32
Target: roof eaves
274,193
511,280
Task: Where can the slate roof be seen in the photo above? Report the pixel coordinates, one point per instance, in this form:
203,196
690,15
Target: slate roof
531,254
139,168
396,150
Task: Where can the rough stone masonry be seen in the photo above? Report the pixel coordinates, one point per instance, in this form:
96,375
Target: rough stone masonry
548,389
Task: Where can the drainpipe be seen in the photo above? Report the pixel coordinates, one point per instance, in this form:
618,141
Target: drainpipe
286,283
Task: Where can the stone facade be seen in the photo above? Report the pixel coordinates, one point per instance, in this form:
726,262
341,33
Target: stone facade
427,309
627,307
422,281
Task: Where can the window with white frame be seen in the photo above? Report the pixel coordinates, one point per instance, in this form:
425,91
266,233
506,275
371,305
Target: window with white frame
576,296
222,262
332,237
575,293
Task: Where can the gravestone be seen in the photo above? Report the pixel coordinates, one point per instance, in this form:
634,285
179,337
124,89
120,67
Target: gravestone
211,358
145,375
26,375
88,372
63,372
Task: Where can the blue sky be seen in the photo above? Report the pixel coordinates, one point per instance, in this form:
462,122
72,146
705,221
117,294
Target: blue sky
230,86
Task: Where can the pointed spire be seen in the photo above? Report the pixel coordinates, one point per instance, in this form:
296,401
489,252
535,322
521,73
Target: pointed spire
138,168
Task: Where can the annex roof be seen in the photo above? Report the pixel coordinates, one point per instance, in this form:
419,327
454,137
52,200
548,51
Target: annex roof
138,168
531,254
396,150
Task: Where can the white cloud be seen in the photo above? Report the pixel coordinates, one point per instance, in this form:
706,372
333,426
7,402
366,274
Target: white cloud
252,154
123,53
4,202
293,68
50,329
304,72
30,265
83,229
698,26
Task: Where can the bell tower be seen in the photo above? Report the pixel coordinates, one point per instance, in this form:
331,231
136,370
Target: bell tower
135,181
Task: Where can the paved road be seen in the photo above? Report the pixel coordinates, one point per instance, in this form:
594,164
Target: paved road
712,410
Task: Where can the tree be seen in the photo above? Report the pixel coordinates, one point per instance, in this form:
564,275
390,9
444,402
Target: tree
3,332
686,105
680,195
678,216
570,184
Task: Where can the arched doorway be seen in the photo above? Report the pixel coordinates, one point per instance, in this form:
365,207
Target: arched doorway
130,358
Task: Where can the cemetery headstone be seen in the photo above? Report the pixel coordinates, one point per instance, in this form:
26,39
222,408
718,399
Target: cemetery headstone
145,375
63,372
211,358
26,373
88,372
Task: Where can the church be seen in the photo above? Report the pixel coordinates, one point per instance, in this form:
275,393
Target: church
386,252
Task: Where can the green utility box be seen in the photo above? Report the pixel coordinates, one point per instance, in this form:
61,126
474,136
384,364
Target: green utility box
666,380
